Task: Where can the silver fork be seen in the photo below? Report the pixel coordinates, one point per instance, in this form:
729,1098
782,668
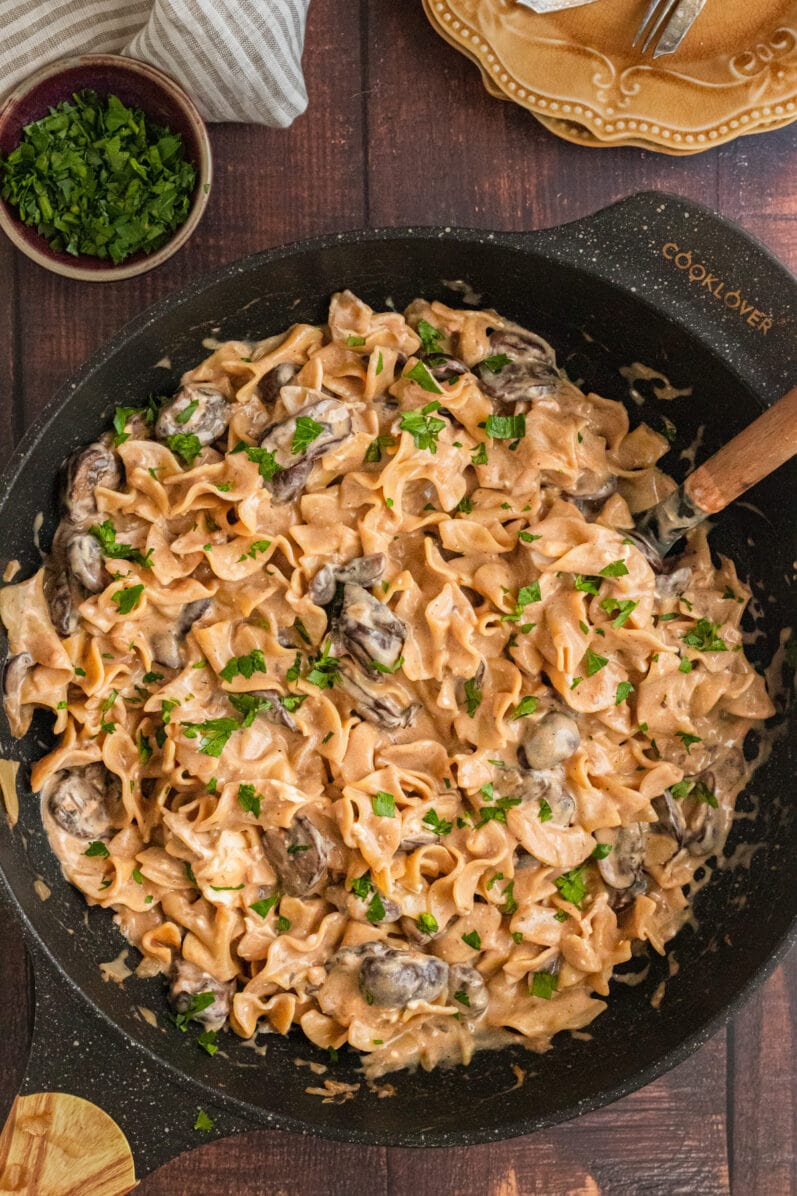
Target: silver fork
679,15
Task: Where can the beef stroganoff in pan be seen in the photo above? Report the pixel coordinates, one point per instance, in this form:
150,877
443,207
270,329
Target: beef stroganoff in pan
372,718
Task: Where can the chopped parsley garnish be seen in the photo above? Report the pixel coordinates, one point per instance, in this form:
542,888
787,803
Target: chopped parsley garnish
292,702
380,363
439,825
105,533
561,916
213,786
374,451
244,666
307,430
462,997
378,667
95,177
152,678
473,696
624,689
688,740
421,374
473,939
495,363
254,548
587,585
685,666
430,337
423,426
226,888
615,569
527,537
383,804
546,813
544,985
698,790
189,872
497,812
127,599
594,662
187,411
97,849
324,669
144,749
203,1122
571,885
524,707
167,706
283,924
601,851
248,800
427,923
506,427
668,618
265,460
479,454
185,445
249,705
294,672
207,1041
510,904
526,596
623,606
465,505
214,734
138,875
355,342
264,907
704,637
197,1003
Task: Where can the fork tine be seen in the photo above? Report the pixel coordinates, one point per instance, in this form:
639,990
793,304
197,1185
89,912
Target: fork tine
668,8
681,21
651,10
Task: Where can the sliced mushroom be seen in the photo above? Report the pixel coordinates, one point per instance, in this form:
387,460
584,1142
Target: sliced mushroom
197,410
374,703
360,909
667,585
84,801
167,645
468,991
86,564
14,674
276,712
272,383
623,866
188,981
591,493
369,629
85,470
334,419
395,978
444,368
299,856
670,817
62,596
418,839
706,825
351,957
538,787
417,937
530,372
549,742
363,571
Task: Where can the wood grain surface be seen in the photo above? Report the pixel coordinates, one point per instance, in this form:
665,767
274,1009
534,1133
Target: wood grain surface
399,130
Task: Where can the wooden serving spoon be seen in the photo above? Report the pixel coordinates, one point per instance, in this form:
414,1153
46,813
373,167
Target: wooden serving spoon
765,444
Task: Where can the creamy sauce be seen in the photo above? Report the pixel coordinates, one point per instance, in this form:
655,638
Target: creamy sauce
690,454
661,386
41,889
673,968
11,570
116,969
8,788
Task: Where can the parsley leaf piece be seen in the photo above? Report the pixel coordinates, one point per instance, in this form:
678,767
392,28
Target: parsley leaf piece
688,740
383,804
705,638
207,1040
439,825
386,668
594,662
138,876
479,454
421,374
186,413
527,537
524,707
615,569
144,749
294,672
325,668
624,606
195,1005
263,908
427,923
283,924
97,849
214,734
587,585
423,428
292,702
473,939
546,813
127,599
373,453
248,800
152,678
571,885
526,596
544,985
244,666
473,696
685,666
189,872
509,906
249,705
307,430
355,342
105,534
601,851
462,997
203,1122
497,812
495,363
430,337
265,461
623,690
185,445
376,910
506,427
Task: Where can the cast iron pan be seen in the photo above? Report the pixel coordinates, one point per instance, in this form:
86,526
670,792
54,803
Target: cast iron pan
653,279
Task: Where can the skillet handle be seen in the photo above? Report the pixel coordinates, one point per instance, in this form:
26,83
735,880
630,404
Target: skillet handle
94,1115
700,270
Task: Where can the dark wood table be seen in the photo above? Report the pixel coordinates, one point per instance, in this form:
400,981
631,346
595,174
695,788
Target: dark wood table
399,131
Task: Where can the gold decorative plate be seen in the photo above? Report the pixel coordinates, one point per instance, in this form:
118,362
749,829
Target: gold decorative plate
735,73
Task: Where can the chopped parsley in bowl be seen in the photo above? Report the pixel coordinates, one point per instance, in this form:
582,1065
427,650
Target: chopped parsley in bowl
104,167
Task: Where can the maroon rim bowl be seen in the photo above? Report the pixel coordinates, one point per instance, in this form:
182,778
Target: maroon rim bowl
138,85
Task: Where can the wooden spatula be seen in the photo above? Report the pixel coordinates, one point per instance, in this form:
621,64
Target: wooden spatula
767,443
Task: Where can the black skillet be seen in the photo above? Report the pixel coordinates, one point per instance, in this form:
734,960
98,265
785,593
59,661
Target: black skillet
653,279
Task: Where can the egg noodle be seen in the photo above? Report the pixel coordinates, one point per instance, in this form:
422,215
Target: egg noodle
371,717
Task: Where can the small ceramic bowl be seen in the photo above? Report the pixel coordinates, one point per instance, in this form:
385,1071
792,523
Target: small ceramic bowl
138,85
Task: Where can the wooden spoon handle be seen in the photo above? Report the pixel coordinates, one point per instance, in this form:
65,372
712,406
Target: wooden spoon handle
768,442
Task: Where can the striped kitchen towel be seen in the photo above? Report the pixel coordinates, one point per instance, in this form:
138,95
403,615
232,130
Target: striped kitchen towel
238,59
